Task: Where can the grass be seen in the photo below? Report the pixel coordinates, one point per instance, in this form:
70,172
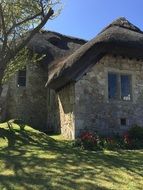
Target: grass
30,160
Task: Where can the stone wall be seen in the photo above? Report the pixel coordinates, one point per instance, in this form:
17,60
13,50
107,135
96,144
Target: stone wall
53,117
29,103
66,100
93,110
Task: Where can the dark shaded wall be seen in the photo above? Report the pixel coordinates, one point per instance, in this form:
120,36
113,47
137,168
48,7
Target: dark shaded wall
29,103
53,115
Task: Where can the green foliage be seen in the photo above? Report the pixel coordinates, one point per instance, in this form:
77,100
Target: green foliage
16,12
19,22
136,132
23,58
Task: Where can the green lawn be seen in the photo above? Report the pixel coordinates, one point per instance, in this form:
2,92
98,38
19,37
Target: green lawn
30,160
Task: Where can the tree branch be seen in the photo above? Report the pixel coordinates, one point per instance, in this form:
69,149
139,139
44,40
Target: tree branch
33,32
22,22
3,28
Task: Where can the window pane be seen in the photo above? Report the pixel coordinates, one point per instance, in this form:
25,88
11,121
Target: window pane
112,86
22,73
123,121
21,81
125,87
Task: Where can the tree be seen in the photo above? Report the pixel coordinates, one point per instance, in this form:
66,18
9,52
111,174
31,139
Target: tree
20,20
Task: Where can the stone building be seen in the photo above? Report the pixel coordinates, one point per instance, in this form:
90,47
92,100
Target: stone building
90,86
27,96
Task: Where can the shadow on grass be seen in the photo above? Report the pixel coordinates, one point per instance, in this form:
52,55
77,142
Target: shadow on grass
36,161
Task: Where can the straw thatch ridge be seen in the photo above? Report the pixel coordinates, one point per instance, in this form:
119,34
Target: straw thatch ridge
54,46
120,37
52,42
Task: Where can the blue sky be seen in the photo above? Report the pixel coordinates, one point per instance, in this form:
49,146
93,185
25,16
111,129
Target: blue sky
85,19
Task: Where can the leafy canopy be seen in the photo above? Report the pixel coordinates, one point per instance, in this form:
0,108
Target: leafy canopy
20,20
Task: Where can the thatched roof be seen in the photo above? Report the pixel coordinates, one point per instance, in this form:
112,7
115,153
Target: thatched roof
120,37
54,45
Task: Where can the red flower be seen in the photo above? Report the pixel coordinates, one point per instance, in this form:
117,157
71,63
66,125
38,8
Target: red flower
126,138
88,136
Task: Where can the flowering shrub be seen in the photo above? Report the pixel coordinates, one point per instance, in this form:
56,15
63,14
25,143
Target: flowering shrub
92,141
89,140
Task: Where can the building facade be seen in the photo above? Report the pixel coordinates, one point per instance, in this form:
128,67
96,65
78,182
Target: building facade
82,86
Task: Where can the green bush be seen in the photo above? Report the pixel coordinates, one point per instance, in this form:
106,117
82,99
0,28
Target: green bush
136,132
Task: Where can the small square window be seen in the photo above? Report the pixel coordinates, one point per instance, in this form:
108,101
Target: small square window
123,121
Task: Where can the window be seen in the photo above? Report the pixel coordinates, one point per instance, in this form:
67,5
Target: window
123,121
125,87
119,86
21,79
112,86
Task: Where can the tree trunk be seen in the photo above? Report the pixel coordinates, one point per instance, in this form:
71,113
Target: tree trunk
3,92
